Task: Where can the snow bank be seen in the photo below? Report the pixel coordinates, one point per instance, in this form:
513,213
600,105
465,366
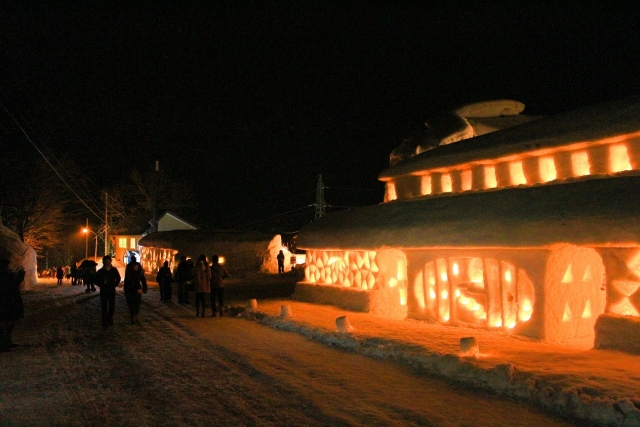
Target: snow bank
560,397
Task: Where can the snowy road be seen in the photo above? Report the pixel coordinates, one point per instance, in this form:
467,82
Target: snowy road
176,370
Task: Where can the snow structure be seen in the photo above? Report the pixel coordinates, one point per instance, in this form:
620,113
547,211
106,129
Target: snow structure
20,255
242,251
531,229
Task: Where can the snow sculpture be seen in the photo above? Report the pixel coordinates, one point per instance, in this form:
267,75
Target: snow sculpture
20,255
270,258
469,347
343,325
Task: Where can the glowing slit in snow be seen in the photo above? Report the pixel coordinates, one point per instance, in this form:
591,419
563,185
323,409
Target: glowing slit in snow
567,313
403,296
458,293
455,269
432,294
587,310
391,191
425,185
444,295
393,282
507,276
444,277
580,164
490,180
547,169
467,179
587,273
517,174
619,158
568,276
445,183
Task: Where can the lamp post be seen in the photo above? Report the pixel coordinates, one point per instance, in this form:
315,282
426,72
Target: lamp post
95,253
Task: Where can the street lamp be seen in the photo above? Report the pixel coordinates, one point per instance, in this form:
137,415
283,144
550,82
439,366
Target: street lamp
95,253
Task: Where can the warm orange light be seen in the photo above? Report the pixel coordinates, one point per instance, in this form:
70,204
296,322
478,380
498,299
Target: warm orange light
467,180
547,169
221,259
490,180
445,183
391,192
425,185
507,276
444,295
85,230
587,310
517,173
393,282
458,293
432,294
455,269
580,164
619,158
444,277
403,296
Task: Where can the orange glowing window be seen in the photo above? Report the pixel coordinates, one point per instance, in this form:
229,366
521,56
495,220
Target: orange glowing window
466,179
619,158
547,169
580,163
425,185
490,180
391,191
516,173
446,184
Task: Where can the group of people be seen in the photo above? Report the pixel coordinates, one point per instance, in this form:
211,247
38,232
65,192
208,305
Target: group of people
135,284
203,278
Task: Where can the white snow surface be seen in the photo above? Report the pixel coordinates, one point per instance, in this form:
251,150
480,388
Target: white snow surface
570,379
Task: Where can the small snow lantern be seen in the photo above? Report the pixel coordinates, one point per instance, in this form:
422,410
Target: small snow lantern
469,347
343,325
285,311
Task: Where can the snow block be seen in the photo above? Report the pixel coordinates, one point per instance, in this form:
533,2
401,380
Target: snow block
343,325
348,298
285,311
469,347
617,332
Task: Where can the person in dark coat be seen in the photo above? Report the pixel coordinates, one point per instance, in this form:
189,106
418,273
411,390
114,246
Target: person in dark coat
107,279
11,306
164,279
88,267
59,275
74,274
135,284
280,259
184,277
218,273
202,284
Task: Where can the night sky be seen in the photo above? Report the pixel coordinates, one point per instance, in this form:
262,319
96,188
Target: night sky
250,103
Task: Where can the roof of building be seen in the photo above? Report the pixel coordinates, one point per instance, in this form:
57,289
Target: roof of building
593,212
615,118
177,239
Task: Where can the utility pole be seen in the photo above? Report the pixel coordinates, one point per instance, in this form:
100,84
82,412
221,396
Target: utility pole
320,205
86,241
154,226
106,223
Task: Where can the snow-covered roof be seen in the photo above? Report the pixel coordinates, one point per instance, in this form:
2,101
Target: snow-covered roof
592,212
593,123
179,238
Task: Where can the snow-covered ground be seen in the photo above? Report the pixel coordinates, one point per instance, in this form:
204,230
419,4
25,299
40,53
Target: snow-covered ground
572,379
177,370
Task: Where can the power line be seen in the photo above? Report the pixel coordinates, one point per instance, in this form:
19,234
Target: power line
274,216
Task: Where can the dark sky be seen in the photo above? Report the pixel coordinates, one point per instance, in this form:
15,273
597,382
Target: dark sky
251,103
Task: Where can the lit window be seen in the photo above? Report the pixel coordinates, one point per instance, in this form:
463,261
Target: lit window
122,242
133,243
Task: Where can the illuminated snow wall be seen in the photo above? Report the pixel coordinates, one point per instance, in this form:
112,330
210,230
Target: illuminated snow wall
152,258
371,281
605,157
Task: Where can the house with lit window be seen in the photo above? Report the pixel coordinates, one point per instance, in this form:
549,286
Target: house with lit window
531,228
126,240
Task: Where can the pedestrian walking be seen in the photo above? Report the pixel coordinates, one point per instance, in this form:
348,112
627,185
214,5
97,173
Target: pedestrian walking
202,284
218,274
59,275
135,284
88,267
107,279
164,282
184,277
11,306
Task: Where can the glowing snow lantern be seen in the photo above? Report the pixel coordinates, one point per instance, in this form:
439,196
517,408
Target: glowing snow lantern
285,311
343,325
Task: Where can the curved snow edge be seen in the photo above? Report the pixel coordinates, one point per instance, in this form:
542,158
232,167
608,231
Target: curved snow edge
503,379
